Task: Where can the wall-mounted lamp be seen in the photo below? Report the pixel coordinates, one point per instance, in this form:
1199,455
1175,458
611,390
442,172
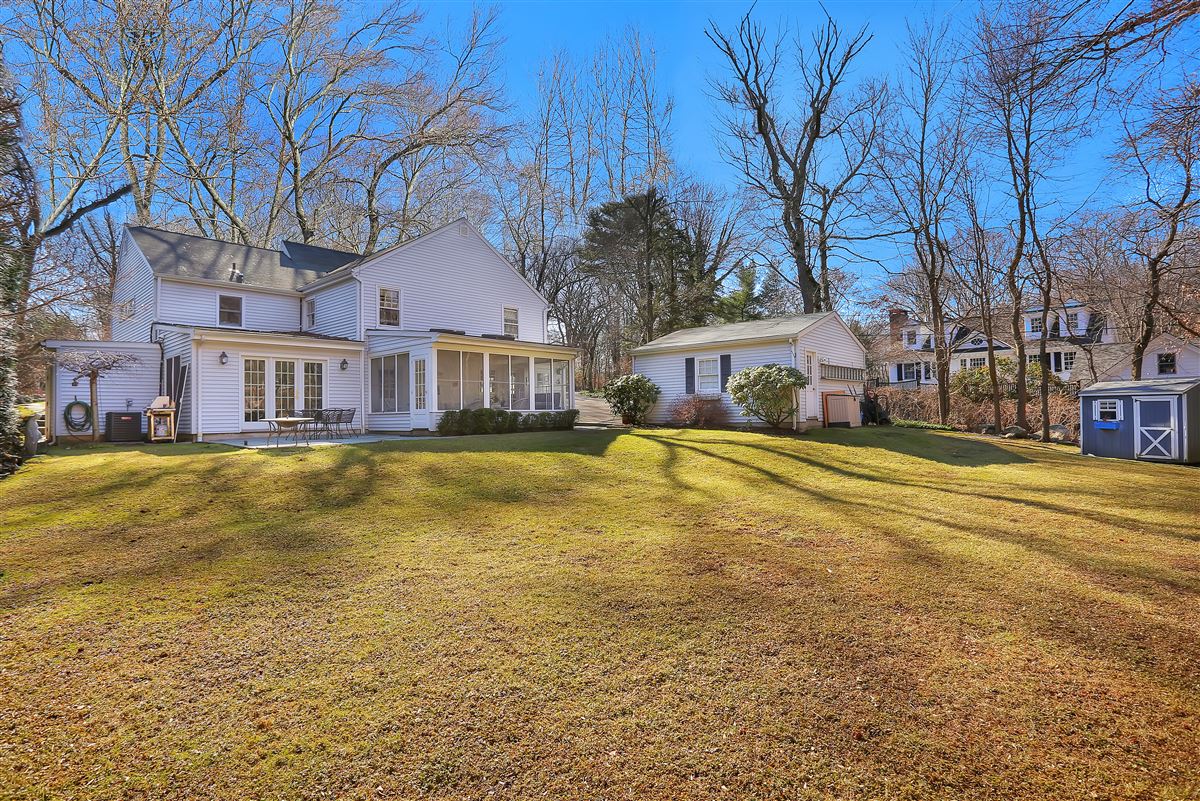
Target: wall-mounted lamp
224,358
345,365
74,382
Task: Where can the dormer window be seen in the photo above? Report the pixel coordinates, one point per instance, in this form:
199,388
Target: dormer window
1166,364
910,336
389,307
1072,322
1035,325
229,310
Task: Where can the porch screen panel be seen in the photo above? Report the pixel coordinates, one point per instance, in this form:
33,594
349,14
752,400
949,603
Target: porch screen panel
562,383
498,374
519,379
377,384
388,383
449,379
542,386
254,390
472,380
285,389
314,385
402,382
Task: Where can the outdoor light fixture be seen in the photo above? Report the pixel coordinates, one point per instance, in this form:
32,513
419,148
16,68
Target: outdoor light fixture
345,364
224,357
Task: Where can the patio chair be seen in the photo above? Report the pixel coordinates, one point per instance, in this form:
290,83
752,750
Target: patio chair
346,422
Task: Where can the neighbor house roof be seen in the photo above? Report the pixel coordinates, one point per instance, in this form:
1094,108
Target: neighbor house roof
1146,385
196,257
773,328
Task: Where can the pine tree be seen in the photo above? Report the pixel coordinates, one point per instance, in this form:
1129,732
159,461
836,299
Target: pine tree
11,214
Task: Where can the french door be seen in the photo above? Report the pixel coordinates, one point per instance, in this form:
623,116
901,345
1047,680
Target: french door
1155,432
279,388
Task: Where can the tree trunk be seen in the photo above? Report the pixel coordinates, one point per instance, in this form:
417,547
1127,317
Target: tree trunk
92,381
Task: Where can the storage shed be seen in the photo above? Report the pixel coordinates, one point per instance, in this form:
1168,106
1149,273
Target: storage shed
1141,420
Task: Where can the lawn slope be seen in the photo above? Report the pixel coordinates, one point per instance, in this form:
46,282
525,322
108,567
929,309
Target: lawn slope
649,615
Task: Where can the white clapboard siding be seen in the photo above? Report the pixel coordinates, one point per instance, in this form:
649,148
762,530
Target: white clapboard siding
220,385
451,278
667,370
336,310
134,307
130,388
834,344
179,343
196,304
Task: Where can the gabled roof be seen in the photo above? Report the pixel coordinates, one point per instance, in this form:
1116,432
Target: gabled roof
772,328
1146,385
179,255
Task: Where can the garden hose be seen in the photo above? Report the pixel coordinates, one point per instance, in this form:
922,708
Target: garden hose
81,423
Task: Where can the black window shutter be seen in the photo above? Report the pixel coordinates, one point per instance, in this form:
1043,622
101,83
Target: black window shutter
689,379
726,369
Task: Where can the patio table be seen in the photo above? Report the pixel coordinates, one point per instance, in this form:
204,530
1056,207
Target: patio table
281,427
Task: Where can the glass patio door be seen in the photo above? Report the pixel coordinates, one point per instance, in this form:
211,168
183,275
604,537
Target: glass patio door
273,388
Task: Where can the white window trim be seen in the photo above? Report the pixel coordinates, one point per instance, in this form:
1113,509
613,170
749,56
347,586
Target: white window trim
504,320
419,397
242,310
699,390
1036,321
310,313
1120,408
324,382
379,307
1068,368
1158,362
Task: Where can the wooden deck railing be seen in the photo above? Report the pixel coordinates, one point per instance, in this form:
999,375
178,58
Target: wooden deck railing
839,372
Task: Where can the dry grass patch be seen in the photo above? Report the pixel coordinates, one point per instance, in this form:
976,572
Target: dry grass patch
656,614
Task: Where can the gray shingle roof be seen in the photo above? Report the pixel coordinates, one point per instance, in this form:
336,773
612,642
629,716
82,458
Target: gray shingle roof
773,328
188,256
1149,385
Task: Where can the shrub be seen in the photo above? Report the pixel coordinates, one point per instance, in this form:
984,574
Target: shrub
632,397
481,421
976,384
450,424
693,411
922,424
512,422
767,392
909,404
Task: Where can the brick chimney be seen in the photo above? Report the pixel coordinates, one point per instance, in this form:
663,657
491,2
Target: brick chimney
897,319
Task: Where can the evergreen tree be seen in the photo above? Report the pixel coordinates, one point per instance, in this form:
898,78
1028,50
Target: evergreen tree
13,209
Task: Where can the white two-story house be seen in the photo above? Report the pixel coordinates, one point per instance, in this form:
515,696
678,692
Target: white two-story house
1081,346
236,334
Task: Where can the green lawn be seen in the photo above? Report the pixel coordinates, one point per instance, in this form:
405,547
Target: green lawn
868,614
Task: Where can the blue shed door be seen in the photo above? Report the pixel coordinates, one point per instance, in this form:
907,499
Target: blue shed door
1155,428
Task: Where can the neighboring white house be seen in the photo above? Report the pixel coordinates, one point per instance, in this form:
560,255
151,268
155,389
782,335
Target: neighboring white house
1081,346
238,334
699,361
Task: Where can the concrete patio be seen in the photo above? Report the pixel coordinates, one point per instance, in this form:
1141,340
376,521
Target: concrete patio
261,441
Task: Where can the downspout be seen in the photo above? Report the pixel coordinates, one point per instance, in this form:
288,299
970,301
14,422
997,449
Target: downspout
197,397
795,392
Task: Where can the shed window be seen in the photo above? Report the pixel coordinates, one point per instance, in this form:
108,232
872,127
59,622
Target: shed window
229,310
708,376
389,307
1108,409
1166,364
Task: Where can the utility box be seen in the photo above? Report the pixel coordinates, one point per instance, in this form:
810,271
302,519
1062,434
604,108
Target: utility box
123,427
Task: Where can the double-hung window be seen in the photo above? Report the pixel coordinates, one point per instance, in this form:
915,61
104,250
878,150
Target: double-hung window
512,325
910,336
1068,361
1035,325
1166,364
978,362
1072,322
708,376
1107,409
389,307
310,313
229,310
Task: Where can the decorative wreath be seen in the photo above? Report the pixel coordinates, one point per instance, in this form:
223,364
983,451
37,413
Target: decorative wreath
77,422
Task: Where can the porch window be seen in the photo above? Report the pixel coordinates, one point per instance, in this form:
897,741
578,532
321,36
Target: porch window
472,380
1107,409
314,385
499,381
254,390
389,307
285,389
1166,364
562,383
519,382
389,383
708,376
419,384
229,310
511,325
543,383
449,379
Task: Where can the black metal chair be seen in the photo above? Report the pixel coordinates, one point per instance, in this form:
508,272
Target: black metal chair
346,422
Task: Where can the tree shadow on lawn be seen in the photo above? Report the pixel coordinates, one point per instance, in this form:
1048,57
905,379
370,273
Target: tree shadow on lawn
949,449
